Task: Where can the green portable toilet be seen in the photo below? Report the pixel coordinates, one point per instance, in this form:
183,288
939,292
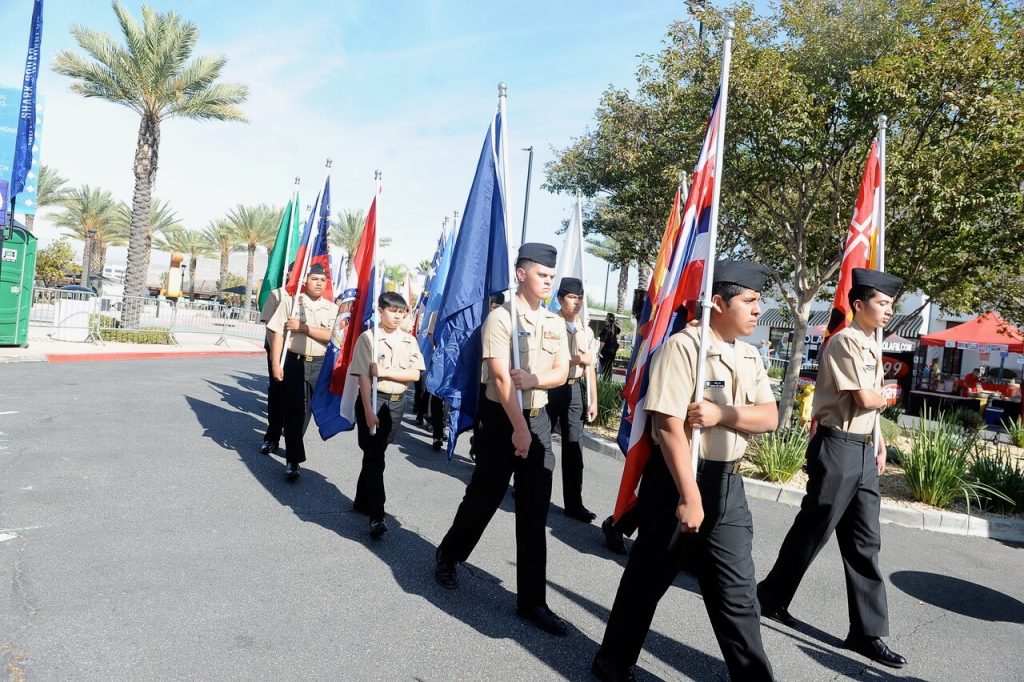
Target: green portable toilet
17,274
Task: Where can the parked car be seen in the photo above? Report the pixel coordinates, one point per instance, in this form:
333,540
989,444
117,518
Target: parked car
79,288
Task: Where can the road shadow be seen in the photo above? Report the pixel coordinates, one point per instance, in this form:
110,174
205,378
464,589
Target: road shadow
821,647
960,596
684,659
482,602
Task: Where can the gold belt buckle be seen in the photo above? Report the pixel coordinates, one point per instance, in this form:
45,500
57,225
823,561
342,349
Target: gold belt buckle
535,411
308,358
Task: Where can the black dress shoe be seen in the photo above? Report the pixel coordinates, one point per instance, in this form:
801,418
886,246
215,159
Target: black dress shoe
544,618
780,614
606,671
292,471
419,420
437,445
875,649
377,528
581,514
613,539
444,571
268,447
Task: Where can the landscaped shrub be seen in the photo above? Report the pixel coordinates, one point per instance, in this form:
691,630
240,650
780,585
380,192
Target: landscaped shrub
999,473
1015,430
775,372
609,403
890,431
966,418
936,467
777,456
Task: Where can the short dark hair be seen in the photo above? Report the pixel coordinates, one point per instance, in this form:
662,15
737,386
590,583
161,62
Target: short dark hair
861,293
727,290
392,299
497,299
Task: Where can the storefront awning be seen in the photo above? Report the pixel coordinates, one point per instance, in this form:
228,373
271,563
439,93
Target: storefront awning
777,319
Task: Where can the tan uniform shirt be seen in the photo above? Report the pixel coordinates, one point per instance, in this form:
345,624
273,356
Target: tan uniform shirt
736,378
394,351
319,313
540,345
851,361
581,341
270,305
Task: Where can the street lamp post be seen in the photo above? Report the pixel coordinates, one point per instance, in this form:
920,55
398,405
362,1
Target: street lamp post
529,175
694,6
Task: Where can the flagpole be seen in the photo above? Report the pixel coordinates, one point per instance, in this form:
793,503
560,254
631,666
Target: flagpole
288,236
375,317
306,257
514,308
880,247
709,263
584,308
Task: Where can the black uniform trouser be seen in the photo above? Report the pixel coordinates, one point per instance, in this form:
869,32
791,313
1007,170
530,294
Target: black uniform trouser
420,396
496,464
424,399
629,521
842,496
275,404
720,554
370,496
565,408
297,389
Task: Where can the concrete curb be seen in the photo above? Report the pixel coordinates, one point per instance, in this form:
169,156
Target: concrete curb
1008,530
154,355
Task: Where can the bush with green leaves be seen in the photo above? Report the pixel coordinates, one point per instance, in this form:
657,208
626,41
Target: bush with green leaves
609,403
968,419
778,455
1003,479
937,465
1015,430
775,372
890,430
894,412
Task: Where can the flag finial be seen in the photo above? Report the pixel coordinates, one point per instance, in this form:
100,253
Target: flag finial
329,162
502,90
298,180
730,26
883,121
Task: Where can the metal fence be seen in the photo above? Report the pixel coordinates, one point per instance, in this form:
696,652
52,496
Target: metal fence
83,316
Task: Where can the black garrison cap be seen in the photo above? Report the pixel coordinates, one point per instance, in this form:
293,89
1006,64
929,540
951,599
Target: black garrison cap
316,269
570,285
544,254
887,284
745,273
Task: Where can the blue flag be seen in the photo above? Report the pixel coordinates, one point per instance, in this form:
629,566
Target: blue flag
479,268
434,292
27,115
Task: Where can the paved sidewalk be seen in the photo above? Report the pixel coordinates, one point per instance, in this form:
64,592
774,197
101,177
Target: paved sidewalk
41,348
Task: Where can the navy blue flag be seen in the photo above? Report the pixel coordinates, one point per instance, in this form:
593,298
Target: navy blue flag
27,117
479,268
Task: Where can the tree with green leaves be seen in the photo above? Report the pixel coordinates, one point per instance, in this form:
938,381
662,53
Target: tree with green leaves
253,226
50,190
395,275
153,73
423,268
192,243
807,85
90,215
223,241
55,262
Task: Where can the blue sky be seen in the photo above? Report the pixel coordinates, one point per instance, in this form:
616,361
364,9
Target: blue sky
406,87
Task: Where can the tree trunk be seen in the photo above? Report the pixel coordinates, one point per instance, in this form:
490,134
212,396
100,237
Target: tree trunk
623,284
192,279
99,262
140,240
86,259
30,220
645,272
801,315
250,276
224,253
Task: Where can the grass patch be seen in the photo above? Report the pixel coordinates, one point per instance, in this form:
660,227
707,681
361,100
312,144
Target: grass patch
777,456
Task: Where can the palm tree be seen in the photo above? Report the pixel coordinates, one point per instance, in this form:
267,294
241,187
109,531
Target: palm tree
193,244
345,233
222,240
153,74
162,219
50,190
609,250
90,215
253,226
423,268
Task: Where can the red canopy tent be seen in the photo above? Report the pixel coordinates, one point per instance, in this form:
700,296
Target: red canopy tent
981,333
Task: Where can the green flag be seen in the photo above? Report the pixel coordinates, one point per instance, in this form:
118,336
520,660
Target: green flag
285,245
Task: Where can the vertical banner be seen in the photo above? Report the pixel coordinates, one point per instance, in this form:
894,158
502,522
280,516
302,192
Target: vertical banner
23,148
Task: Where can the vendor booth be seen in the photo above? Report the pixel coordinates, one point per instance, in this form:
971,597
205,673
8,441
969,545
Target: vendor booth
996,397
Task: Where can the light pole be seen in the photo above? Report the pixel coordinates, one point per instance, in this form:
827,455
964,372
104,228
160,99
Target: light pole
526,208
694,6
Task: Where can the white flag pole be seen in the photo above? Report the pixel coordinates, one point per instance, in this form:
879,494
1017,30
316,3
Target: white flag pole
880,244
709,263
374,291
514,308
584,308
306,257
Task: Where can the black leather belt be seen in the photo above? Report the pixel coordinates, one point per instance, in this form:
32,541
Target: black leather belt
390,397
306,358
708,466
863,438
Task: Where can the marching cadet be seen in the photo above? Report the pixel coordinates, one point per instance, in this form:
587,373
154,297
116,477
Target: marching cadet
515,438
396,363
567,403
708,511
310,330
275,406
843,466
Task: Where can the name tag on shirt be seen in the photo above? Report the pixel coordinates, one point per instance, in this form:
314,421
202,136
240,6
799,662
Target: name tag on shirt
870,368
524,335
551,336
714,384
